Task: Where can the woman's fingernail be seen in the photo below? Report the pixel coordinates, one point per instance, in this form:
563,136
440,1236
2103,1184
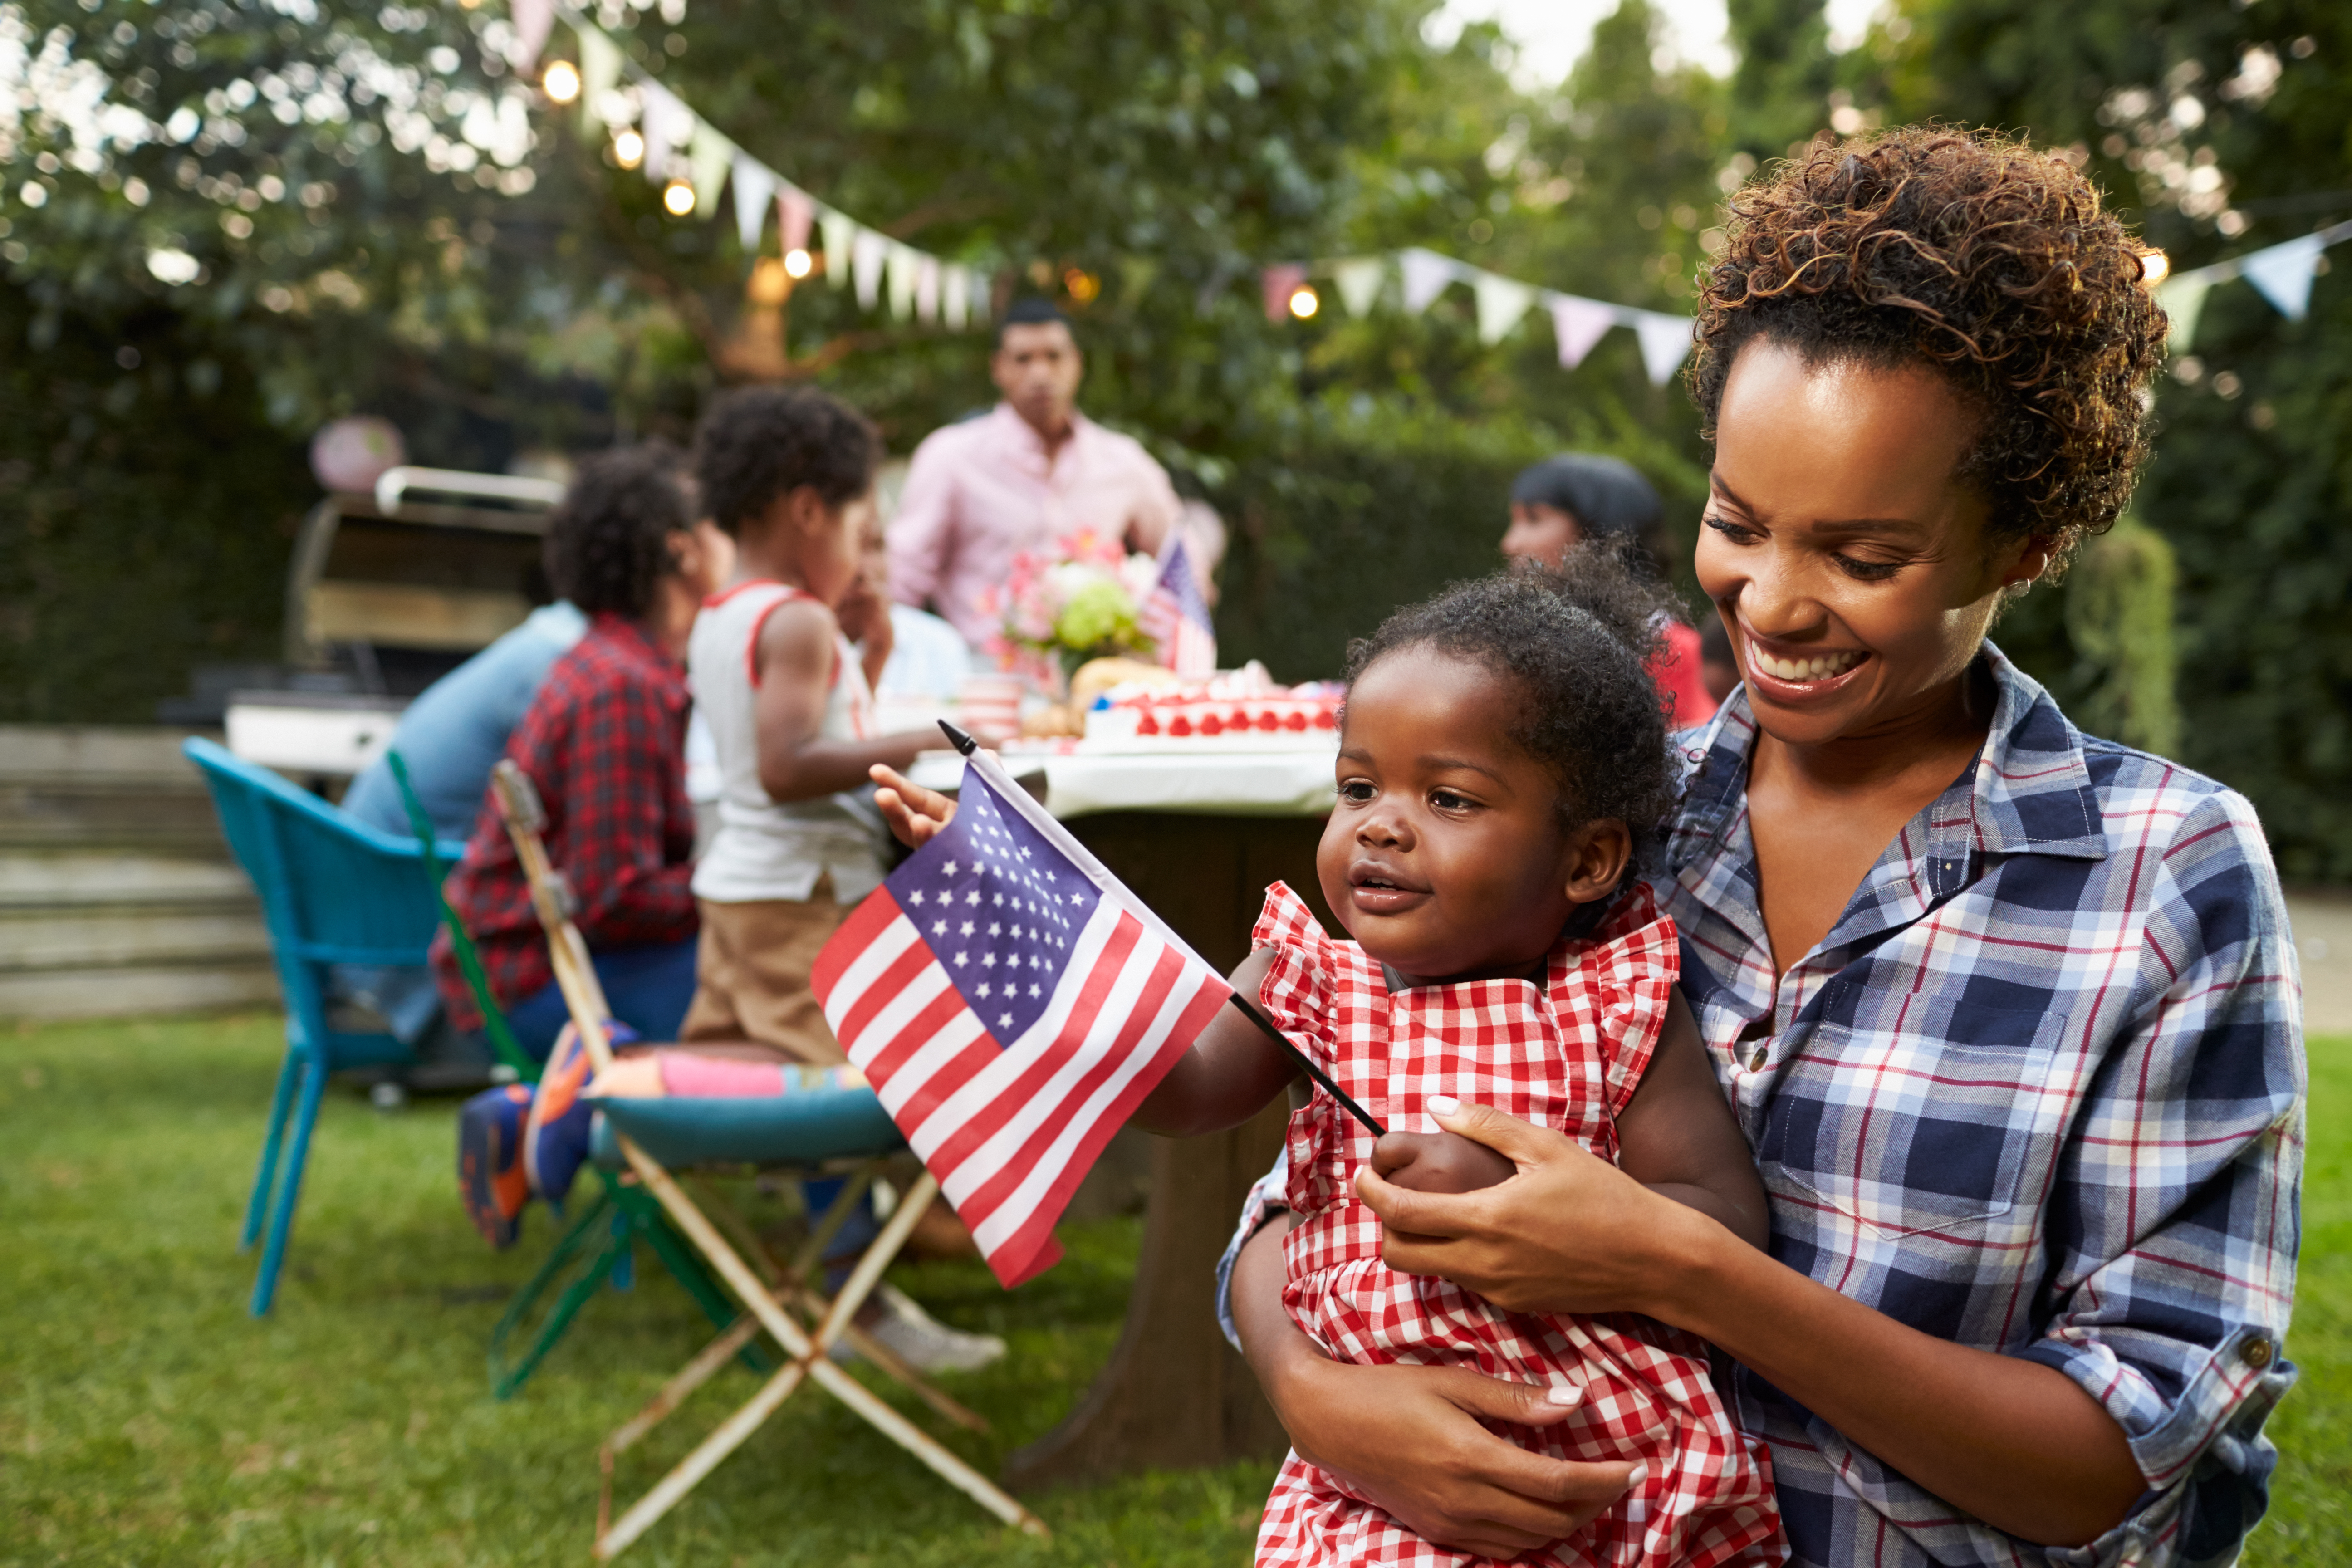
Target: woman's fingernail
1640,1473
1564,1394
1443,1105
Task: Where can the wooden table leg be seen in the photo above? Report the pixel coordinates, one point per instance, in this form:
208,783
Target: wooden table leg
1175,1394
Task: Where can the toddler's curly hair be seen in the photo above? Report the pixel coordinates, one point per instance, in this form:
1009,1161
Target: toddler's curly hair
1971,251
1575,642
607,542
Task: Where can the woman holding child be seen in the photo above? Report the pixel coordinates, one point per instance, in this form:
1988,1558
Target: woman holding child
2006,1016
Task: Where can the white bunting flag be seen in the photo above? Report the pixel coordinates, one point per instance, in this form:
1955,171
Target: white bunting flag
867,252
840,245
1665,342
600,72
668,126
1578,324
955,297
1426,274
753,185
978,294
2183,299
1359,280
2283,273
1501,302
927,288
709,156
532,19
902,263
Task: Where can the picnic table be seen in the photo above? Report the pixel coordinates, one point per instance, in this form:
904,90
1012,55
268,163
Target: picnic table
1197,836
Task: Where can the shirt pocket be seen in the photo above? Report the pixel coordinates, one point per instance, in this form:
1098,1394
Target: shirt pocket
1909,1132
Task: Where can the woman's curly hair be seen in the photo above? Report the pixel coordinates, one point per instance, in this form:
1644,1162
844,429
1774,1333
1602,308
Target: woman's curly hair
1575,642
608,543
1971,251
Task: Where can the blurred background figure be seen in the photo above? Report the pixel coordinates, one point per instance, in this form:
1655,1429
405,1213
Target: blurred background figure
1018,478
1585,497
1717,669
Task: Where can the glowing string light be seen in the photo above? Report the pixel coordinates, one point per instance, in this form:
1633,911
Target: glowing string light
799,263
678,198
628,149
561,82
1304,302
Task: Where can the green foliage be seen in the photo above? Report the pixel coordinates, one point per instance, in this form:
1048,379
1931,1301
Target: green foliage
145,515
2119,598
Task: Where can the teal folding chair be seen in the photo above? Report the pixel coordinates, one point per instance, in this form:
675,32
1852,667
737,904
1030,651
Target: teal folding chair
600,1244
333,891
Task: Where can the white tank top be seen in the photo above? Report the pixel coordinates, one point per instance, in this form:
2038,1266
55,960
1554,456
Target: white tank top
764,848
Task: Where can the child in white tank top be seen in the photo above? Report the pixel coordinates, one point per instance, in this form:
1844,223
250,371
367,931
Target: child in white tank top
790,475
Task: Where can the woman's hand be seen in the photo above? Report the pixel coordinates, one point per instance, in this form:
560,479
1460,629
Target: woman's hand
1569,1233
913,812
1410,1438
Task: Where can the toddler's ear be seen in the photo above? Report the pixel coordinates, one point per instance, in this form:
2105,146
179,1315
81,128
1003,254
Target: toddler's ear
1594,857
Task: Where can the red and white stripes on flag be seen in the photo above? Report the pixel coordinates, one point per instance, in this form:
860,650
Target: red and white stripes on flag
1012,1004
1175,615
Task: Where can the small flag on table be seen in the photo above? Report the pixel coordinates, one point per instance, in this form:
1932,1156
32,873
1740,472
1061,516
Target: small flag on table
1012,1004
1175,615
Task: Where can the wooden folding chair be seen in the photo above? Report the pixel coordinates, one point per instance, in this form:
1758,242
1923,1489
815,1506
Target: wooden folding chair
807,1349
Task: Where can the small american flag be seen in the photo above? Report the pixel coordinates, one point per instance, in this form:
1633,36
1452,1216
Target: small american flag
1012,1004
1176,617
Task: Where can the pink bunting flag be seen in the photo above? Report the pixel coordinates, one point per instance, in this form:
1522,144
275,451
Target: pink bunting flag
1280,281
1579,324
796,214
532,21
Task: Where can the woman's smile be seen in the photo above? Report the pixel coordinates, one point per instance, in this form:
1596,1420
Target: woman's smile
1794,673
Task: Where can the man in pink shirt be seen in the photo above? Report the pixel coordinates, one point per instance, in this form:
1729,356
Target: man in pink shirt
1019,478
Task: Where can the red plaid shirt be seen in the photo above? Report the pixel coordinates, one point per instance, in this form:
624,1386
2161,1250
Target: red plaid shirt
606,742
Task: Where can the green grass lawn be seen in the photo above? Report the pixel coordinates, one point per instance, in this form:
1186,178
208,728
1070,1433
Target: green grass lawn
145,1418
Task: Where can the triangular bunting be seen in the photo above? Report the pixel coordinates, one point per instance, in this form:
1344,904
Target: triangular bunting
840,245
2183,299
978,295
903,262
708,158
668,125
2283,273
1578,324
1426,274
1359,280
532,19
754,185
955,297
795,212
600,72
1666,340
867,252
927,288
1501,302
1278,283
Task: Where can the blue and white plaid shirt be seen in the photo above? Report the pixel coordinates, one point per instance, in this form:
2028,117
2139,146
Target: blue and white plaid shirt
2040,1090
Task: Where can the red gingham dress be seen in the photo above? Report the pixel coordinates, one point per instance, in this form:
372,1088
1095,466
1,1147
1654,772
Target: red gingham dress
1566,1057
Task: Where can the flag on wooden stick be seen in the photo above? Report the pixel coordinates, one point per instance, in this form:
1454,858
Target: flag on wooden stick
1012,1004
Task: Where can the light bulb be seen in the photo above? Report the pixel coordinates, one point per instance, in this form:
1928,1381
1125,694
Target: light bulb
678,196
1304,302
2154,267
628,149
561,82
799,263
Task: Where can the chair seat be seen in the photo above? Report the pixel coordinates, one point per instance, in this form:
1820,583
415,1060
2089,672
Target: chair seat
804,1127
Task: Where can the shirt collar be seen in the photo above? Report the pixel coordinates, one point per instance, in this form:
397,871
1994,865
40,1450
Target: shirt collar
2029,792
1022,438
632,643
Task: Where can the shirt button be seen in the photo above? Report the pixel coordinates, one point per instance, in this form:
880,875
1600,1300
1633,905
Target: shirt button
2255,1353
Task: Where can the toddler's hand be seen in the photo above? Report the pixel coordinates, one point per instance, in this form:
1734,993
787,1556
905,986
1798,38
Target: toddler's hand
1439,1163
913,812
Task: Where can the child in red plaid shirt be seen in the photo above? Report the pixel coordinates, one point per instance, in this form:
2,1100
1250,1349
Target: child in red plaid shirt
1502,767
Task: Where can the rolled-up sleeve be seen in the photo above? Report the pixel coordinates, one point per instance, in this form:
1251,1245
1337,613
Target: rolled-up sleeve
2175,1226
1264,1200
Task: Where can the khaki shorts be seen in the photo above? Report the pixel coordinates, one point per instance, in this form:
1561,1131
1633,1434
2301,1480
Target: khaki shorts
751,974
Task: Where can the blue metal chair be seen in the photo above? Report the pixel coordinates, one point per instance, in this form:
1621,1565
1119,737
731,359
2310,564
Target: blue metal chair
333,891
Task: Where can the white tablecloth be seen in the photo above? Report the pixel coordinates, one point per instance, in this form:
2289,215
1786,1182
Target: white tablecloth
1199,782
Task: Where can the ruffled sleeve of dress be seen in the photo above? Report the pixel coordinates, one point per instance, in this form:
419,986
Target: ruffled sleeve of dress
1297,991
1618,982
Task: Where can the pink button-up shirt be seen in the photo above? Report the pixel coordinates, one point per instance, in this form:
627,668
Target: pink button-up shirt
980,492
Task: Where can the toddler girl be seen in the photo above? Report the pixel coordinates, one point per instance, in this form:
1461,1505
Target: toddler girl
1502,767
